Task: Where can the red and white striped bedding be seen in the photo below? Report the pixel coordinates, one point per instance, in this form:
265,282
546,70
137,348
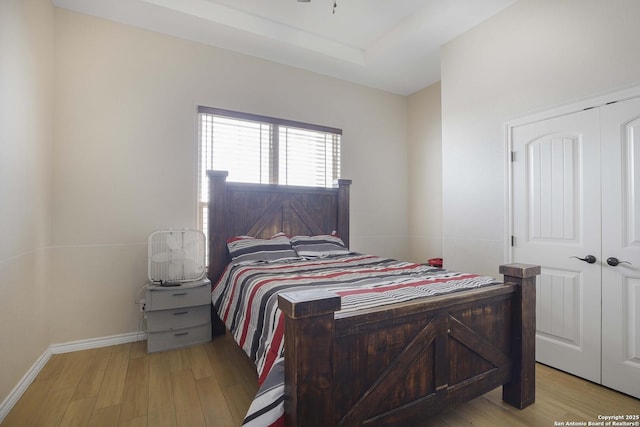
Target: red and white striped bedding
245,298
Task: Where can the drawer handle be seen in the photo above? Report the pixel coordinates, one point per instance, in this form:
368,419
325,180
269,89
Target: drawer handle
180,294
181,333
180,313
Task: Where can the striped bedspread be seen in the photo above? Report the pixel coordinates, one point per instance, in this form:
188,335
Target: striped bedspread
245,298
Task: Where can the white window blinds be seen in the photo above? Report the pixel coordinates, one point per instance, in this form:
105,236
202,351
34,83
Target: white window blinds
264,150
240,147
308,157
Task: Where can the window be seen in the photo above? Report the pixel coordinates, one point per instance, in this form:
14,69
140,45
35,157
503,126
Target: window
264,150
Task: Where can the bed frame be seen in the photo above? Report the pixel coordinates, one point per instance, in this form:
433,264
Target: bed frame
389,365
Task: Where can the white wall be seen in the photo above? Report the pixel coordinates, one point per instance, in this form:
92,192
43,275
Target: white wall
533,56
425,174
26,135
98,149
125,155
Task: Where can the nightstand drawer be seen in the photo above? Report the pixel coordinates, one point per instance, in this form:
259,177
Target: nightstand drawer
159,341
179,296
178,318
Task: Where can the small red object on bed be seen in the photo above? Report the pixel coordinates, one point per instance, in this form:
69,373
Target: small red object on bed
435,262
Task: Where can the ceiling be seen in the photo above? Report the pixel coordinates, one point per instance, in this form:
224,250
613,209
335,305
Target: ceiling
393,45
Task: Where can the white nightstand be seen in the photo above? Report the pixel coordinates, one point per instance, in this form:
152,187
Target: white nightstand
178,316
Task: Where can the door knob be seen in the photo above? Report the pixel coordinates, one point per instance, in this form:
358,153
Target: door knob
613,261
588,259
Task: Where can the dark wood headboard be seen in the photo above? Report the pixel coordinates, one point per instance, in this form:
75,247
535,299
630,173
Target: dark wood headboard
262,210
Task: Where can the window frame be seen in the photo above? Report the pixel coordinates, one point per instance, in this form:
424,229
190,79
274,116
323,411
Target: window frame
276,123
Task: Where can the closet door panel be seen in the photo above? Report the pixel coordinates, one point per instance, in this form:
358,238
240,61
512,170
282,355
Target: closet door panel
556,220
621,240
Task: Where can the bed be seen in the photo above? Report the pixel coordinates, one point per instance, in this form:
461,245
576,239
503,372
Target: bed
385,365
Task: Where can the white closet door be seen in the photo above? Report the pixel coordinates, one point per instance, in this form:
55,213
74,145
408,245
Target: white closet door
556,217
621,240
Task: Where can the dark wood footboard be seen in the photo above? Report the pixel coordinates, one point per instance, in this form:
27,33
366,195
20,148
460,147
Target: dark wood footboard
392,364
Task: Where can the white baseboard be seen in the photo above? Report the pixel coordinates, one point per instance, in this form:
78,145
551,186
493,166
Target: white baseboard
9,402
25,382
68,347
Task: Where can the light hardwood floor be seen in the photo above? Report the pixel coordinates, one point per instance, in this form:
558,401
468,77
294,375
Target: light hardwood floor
213,384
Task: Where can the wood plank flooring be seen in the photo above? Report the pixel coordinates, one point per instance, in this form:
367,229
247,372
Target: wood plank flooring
213,384
206,385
